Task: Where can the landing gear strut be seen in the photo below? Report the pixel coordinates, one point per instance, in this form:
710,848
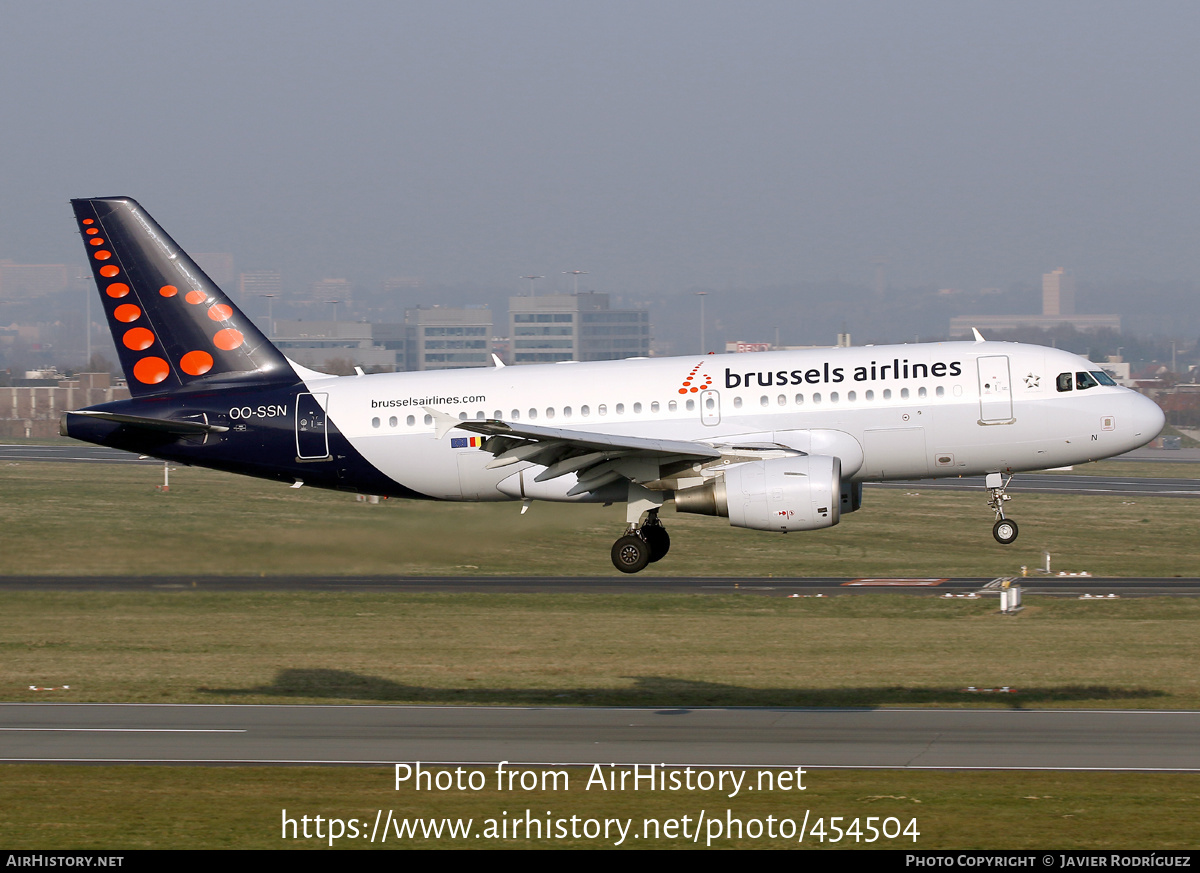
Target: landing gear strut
1005,529
642,544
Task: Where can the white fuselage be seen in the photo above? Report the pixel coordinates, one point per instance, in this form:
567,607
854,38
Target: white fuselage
889,412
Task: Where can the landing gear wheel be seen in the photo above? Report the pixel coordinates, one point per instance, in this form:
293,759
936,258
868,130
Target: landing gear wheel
630,554
1005,531
658,540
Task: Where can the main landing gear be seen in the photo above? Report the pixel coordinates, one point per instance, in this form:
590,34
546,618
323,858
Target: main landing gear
643,542
1005,529
641,546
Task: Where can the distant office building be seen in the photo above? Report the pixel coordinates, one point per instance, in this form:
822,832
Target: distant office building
331,291
575,327
1058,310
341,345
1058,293
218,266
28,281
393,284
444,338
260,283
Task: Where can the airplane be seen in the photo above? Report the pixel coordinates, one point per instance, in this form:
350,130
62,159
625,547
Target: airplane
773,441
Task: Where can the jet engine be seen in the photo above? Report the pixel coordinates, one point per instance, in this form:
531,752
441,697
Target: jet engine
802,492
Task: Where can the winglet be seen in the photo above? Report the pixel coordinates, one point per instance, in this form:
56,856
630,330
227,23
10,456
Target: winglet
443,422
496,360
978,336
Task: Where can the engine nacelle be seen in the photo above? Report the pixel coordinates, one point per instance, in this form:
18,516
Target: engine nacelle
780,494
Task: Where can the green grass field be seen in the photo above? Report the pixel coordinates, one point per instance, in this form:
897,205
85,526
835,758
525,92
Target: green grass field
184,645
225,808
109,520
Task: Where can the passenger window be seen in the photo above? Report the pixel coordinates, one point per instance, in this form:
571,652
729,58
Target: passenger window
498,414
904,393
654,406
870,395
375,422
737,403
602,409
411,420
637,408
921,392
550,412
941,392
532,414
620,409
428,419
566,412
1085,380
672,406
462,416
585,411
1063,382
887,393
710,403
851,396
781,400
799,399
764,401
691,405
480,416
516,416
833,397
816,398
393,421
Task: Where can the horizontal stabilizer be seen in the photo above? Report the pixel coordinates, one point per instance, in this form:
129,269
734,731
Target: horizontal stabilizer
183,428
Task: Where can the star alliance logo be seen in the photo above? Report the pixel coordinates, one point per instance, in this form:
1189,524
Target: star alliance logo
1033,380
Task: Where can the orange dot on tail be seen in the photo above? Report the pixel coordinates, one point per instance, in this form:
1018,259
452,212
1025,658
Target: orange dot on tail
138,338
89,221
117,289
196,363
91,231
168,290
228,339
102,255
96,242
219,312
127,312
683,391
109,270
194,297
151,371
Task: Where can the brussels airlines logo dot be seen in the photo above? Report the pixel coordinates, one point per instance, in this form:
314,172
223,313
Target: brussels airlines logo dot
692,381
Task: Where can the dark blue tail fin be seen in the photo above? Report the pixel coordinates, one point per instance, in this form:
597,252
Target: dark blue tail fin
173,327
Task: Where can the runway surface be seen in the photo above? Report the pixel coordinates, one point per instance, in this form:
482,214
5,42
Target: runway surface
362,735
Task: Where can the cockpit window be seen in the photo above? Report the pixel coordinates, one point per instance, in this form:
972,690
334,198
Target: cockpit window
1063,382
1103,378
1085,380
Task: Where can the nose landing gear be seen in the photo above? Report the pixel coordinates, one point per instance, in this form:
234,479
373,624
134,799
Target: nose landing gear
1005,529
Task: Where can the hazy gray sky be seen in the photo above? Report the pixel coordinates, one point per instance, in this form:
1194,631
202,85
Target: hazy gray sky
658,145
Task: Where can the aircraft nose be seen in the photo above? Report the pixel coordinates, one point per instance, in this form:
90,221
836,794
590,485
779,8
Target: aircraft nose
1147,417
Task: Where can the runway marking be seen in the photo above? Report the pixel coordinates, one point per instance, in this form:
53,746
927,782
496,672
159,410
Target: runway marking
389,763
132,730
893,583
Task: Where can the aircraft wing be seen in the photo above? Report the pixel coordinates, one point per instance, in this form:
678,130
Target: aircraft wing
595,458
